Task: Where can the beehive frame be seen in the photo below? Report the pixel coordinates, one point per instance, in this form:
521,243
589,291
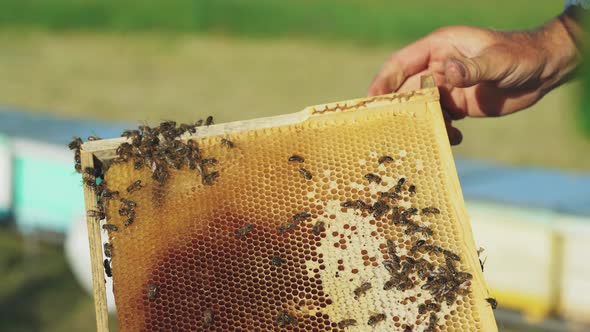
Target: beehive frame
101,151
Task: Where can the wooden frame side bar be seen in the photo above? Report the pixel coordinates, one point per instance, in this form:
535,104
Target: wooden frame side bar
94,240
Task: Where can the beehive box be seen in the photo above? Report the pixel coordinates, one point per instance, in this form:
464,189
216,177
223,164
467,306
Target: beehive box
336,239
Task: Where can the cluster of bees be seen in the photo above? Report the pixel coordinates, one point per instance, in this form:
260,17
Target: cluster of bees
445,283
158,149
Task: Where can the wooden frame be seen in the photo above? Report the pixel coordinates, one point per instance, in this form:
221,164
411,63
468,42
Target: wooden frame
94,152
94,240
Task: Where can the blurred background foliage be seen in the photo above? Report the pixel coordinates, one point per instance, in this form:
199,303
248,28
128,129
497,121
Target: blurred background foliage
372,21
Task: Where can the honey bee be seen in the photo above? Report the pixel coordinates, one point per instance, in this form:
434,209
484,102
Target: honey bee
199,123
244,230
401,181
492,302
415,228
130,219
405,284
95,214
428,210
167,125
134,186
412,210
75,143
187,128
390,195
90,183
107,268
408,265
398,186
346,323
301,216
110,227
397,218
347,204
358,204
124,211
78,167
208,318
391,251
385,159
108,250
407,328
130,133
124,150
380,208
276,261
463,276
92,171
451,255
160,174
373,178
433,306
389,284
412,189
209,161
129,203
362,289
432,323
284,318
209,120
296,158
417,245
227,143
423,308
107,194
152,291
424,268
392,265
374,319
306,174
289,226
210,178
317,228
138,164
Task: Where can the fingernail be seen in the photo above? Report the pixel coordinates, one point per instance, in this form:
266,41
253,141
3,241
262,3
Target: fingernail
460,67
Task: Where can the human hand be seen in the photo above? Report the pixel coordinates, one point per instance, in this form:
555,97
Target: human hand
482,72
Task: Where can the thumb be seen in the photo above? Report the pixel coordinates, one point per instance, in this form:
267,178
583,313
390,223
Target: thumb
490,65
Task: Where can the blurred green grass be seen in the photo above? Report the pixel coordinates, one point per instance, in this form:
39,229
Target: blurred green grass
373,21
37,290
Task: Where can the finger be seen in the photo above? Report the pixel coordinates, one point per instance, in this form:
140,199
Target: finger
451,100
493,64
455,135
402,64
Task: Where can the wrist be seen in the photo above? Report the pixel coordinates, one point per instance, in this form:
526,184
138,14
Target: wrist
557,39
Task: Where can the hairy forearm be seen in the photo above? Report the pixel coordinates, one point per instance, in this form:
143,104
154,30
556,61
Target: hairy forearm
561,39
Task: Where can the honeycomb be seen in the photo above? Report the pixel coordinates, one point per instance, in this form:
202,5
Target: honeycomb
279,241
